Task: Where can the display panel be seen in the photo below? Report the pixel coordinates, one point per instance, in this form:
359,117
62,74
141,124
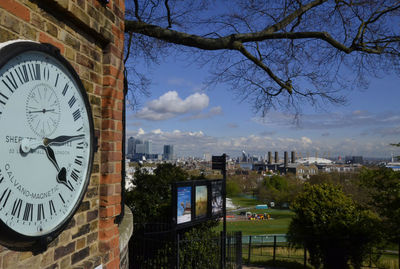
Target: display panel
184,204
201,201
216,198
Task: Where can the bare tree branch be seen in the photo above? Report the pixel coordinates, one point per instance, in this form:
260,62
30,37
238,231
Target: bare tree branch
273,53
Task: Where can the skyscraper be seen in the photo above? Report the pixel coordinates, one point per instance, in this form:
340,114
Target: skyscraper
168,152
131,146
147,147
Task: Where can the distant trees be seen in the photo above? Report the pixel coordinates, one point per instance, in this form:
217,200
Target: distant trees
384,188
332,227
280,189
150,200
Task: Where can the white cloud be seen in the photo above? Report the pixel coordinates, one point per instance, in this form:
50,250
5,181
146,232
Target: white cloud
196,143
214,111
171,105
334,120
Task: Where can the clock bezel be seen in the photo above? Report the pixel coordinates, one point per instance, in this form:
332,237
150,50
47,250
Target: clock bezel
8,237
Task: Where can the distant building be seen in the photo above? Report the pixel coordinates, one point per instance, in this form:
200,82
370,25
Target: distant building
147,147
131,146
354,160
168,153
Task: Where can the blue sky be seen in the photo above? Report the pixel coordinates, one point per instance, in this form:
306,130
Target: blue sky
196,121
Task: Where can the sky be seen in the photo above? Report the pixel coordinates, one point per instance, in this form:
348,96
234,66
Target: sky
200,121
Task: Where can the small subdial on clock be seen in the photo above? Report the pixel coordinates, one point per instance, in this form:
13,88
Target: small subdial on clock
42,110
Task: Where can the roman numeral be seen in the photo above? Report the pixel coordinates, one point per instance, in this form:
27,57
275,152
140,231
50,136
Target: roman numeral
55,84
40,212
28,214
5,97
11,81
78,160
76,114
69,185
74,174
65,89
62,199
22,74
2,178
46,73
5,196
17,207
80,145
80,129
72,101
34,71
51,207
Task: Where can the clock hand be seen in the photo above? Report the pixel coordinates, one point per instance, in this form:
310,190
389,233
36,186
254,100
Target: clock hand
62,173
27,145
41,111
61,139
52,157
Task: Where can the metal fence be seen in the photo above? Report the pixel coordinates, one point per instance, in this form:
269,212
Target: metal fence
154,248
274,247
271,247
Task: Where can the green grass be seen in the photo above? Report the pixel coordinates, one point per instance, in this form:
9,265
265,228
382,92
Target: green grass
278,224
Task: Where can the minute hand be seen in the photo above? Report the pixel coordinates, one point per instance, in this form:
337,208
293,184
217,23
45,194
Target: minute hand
61,139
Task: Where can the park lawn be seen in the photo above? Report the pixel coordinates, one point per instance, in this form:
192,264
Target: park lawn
278,224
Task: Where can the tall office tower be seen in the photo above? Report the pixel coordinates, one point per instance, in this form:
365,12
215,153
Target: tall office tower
147,147
131,146
168,152
140,149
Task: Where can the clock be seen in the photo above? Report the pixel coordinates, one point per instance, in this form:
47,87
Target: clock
46,144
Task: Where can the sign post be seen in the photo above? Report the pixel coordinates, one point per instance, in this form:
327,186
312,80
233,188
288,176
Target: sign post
219,163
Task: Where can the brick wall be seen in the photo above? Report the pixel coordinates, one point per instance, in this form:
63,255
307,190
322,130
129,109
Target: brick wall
91,37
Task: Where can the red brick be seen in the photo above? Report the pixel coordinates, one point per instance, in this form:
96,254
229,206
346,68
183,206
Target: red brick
109,179
16,8
118,167
113,263
118,146
108,146
106,223
107,124
107,211
111,156
107,190
44,38
110,200
106,234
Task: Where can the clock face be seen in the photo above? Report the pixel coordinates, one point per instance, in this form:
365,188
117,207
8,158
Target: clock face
46,140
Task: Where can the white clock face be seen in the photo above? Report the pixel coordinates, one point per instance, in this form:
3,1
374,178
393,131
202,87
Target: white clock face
45,139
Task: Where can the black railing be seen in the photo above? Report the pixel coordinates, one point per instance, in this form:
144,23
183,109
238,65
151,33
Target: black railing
154,248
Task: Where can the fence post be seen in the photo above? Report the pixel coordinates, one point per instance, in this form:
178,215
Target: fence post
222,242
228,250
177,251
248,259
239,250
274,253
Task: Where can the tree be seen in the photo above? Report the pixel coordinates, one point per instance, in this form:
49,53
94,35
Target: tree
276,54
150,200
350,183
279,189
384,187
332,227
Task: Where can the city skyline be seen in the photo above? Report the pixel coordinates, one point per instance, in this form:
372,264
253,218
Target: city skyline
182,112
